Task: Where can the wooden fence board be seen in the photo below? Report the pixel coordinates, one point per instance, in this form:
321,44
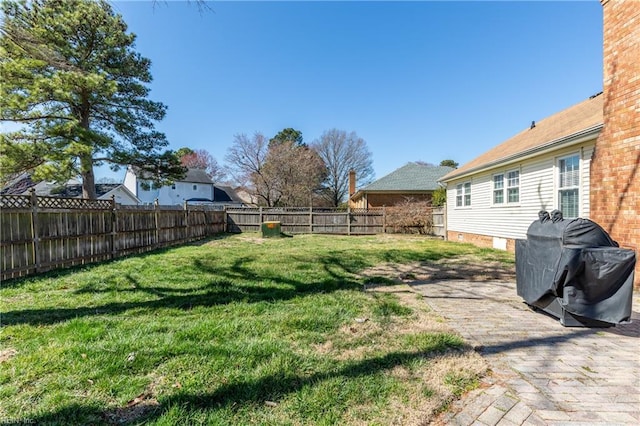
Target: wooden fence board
39,234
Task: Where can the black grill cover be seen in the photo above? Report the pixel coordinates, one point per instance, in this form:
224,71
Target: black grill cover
572,269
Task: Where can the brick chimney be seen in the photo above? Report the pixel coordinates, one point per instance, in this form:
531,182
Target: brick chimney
352,182
615,166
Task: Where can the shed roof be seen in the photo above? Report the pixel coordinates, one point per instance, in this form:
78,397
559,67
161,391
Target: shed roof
563,125
410,177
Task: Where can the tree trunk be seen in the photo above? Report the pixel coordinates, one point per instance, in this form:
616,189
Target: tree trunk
88,178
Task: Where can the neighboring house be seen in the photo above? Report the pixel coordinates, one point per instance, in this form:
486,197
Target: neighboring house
493,199
196,185
411,182
246,197
72,189
226,196
18,185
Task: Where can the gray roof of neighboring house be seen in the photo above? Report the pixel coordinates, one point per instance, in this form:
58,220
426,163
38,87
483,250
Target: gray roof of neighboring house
226,194
18,185
73,190
192,175
197,176
410,177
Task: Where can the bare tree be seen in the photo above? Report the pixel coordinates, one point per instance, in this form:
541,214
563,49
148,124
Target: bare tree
342,152
283,174
296,172
246,159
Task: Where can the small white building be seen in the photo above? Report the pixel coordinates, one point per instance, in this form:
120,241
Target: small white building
492,200
195,186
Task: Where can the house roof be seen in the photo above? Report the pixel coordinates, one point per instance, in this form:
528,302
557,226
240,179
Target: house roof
197,176
560,127
18,185
191,176
410,177
71,190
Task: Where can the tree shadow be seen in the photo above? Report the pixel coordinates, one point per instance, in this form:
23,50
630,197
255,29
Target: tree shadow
235,283
234,395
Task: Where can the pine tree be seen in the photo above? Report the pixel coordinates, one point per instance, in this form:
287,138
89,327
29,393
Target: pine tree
77,90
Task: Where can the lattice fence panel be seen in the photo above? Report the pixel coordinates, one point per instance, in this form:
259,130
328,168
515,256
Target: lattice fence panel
15,202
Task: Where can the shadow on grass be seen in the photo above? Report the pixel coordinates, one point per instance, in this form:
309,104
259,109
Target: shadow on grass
234,395
235,283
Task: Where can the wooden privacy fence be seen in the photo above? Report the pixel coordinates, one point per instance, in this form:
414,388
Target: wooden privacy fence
323,221
44,233
306,220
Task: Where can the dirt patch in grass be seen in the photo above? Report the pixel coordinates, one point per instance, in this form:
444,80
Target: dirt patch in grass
434,381
448,376
466,267
7,354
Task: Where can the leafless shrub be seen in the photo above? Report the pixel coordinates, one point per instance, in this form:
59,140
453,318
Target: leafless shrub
410,217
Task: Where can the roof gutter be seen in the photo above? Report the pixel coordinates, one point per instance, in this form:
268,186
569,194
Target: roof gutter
575,138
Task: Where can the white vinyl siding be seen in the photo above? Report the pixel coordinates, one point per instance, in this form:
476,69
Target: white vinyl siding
537,191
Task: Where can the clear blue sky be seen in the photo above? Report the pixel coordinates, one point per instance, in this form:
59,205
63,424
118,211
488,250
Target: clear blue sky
417,80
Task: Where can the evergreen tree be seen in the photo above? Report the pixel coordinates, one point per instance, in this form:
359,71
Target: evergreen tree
73,83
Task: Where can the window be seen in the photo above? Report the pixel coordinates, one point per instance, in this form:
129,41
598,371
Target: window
463,194
569,186
498,189
512,187
195,187
173,186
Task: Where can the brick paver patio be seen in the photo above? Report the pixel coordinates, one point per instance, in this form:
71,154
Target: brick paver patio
542,372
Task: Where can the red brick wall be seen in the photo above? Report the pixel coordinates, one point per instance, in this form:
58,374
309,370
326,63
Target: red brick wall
615,167
478,240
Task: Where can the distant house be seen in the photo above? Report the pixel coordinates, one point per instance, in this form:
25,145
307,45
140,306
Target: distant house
196,186
23,184
226,196
492,200
411,182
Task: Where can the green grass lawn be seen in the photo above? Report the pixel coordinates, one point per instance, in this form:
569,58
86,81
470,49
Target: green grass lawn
236,330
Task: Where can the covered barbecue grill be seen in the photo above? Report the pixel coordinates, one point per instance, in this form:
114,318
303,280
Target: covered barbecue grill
574,271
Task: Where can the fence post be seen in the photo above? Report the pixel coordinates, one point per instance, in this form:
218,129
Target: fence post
384,219
260,221
349,220
186,220
156,214
444,221
34,229
114,227
311,219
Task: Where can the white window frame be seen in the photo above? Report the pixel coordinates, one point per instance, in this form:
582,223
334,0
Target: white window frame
496,191
463,195
573,187
507,184
511,185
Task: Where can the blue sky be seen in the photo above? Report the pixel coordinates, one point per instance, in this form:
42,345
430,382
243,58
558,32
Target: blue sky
417,80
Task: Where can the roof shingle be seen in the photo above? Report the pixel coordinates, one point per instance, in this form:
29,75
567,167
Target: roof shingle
410,177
